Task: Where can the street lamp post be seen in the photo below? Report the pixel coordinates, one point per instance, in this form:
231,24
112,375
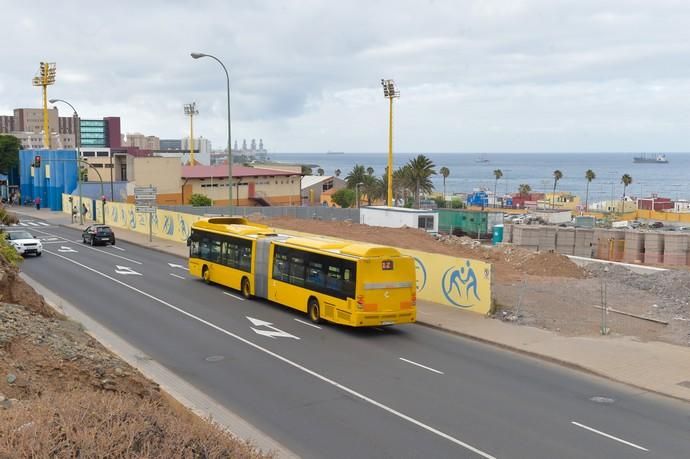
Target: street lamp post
390,92
77,144
357,192
227,76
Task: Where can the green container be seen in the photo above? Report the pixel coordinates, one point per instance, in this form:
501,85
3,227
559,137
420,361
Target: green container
497,234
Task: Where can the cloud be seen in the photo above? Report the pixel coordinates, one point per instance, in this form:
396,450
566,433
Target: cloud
475,75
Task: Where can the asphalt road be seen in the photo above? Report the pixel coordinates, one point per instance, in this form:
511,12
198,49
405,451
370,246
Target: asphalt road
329,391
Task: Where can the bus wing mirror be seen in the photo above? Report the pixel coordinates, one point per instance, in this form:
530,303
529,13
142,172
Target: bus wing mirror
189,241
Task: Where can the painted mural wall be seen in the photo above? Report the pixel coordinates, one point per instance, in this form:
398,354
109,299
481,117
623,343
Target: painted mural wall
457,282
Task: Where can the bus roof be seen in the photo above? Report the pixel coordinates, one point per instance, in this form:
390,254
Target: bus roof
360,250
232,225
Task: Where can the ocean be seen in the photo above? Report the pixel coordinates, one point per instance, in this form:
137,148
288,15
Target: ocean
469,171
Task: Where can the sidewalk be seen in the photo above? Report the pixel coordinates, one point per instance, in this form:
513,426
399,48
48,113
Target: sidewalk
653,366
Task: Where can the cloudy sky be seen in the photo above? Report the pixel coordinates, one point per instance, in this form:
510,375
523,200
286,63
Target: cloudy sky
474,76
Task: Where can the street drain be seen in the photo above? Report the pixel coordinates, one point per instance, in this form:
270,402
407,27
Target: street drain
602,399
214,358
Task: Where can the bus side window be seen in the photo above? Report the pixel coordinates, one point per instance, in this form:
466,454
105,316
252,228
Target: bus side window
315,275
204,248
334,279
280,265
296,270
349,280
215,251
245,258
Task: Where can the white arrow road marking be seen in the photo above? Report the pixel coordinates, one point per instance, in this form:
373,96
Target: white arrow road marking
179,277
276,333
43,224
49,239
604,434
66,249
22,224
173,265
126,270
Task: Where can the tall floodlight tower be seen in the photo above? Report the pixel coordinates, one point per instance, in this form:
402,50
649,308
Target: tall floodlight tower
390,92
190,110
44,78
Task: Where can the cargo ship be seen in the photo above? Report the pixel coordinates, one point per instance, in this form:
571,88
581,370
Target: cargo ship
651,159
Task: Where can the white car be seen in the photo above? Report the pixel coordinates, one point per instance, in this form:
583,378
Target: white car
24,242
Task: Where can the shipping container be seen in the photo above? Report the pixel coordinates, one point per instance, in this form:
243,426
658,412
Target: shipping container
473,223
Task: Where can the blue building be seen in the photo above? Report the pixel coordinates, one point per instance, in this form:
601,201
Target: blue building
56,174
478,198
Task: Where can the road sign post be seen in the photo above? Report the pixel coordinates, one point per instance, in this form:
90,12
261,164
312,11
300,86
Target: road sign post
145,203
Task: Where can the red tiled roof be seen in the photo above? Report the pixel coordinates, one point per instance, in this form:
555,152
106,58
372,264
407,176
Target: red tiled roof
221,170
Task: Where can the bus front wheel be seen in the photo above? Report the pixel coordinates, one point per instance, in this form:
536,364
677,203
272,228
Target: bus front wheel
246,290
314,310
206,275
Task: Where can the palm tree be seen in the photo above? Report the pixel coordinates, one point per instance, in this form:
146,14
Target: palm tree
337,172
557,175
625,180
306,170
370,170
320,171
498,173
524,189
356,175
420,171
589,175
445,172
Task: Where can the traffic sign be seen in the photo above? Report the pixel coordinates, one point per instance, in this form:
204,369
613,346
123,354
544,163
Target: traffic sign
145,193
143,209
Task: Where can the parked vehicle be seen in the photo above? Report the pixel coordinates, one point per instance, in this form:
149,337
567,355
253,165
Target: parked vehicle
656,225
98,234
24,242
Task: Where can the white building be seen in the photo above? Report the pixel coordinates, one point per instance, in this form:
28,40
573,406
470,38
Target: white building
202,150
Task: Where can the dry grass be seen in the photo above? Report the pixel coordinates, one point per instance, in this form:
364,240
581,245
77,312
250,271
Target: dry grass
102,424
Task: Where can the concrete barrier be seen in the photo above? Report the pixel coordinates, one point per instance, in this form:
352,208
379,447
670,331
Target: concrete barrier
675,249
547,238
654,248
585,244
565,241
508,233
634,247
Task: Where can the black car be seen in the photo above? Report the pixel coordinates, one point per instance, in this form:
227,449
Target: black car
98,234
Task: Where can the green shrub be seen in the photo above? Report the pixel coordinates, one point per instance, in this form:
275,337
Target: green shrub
200,200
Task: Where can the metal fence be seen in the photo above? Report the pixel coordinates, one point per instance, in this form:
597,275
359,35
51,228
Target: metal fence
306,213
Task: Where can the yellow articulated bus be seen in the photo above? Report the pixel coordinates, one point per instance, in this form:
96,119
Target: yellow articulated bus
345,283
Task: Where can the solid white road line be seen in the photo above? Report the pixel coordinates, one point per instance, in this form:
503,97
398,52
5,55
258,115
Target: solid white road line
422,366
234,296
307,323
179,277
89,247
603,434
32,223
287,361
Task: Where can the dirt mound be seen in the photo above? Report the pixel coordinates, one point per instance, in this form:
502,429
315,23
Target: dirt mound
13,289
551,264
510,263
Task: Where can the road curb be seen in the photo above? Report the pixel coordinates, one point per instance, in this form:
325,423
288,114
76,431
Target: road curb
181,391
548,358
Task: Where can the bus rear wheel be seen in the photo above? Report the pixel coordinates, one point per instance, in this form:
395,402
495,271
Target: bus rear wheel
206,275
314,310
246,290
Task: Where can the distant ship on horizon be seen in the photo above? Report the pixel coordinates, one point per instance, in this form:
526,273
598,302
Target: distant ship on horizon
335,152
650,159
